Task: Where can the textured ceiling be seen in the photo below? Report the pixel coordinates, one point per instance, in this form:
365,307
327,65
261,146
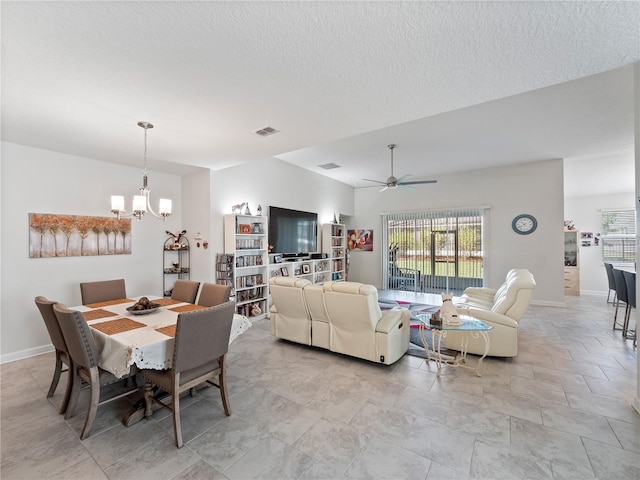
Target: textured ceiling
456,85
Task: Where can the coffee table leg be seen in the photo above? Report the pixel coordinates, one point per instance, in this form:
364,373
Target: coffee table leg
485,336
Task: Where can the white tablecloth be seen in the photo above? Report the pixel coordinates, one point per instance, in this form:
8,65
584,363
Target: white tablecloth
145,347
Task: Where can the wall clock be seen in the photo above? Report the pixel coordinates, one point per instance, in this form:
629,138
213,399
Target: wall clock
524,224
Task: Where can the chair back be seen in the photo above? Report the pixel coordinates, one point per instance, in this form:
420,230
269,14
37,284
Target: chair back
621,285
612,281
202,337
630,281
77,336
94,292
514,296
51,322
185,291
212,294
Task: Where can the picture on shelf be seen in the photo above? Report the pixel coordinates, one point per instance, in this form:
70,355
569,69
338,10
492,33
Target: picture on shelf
244,228
284,271
306,268
277,259
256,228
296,271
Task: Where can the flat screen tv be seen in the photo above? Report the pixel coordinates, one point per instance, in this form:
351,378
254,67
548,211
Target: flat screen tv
292,232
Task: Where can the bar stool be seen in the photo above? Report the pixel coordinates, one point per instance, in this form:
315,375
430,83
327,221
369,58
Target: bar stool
630,280
621,294
612,282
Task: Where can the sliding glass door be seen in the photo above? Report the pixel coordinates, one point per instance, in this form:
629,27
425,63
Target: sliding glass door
433,251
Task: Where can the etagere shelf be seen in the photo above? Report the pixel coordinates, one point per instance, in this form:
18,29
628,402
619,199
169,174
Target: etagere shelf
175,263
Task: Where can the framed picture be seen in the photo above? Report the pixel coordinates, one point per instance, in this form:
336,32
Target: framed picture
256,228
284,271
360,240
296,271
277,259
244,228
306,268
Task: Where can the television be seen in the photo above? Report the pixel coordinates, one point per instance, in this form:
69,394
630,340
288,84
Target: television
293,232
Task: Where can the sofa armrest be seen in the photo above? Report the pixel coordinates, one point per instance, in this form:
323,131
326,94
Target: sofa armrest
488,316
393,319
481,292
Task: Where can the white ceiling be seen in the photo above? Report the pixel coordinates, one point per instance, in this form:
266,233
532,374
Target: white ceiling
457,85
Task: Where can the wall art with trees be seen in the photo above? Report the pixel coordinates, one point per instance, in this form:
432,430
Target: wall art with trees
54,235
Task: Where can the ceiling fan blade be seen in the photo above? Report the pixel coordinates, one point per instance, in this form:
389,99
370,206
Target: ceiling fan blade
375,181
401,179
385,188
418,182
405,186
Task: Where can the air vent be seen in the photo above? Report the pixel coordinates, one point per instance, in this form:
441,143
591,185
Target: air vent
266,131
329,166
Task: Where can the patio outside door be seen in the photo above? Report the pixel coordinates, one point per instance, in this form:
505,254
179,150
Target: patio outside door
433,252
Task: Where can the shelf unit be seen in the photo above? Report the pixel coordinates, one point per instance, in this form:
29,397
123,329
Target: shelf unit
245,238
175,262
314,270
571,262
334,244
224,270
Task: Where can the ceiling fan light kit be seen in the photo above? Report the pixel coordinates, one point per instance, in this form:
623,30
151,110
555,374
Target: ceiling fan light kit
393,182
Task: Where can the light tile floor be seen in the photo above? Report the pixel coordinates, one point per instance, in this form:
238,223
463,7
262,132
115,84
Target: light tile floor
561,409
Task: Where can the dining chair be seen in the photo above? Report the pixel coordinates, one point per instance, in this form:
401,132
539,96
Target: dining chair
62,355
102,291
185,291
84,360
621,296
630,281
199,353
212,294
612,282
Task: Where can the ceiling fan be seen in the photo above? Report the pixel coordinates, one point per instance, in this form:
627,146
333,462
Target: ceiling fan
393,182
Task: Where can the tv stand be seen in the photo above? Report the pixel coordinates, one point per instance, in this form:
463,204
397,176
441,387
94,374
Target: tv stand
314,270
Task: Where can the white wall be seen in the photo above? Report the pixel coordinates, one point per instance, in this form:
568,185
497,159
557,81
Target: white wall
535,188
585,213
196,217
40,181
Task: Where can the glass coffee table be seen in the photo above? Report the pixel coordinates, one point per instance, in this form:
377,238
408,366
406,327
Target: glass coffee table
469,328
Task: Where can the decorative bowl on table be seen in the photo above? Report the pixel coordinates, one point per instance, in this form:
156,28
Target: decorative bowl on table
144,306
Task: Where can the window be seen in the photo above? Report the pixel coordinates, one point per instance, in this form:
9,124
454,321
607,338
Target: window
618,235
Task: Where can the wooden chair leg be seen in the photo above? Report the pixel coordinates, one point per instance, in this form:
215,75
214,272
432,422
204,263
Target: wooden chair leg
76,384
56,376
175,406
222,384
67,392
93,403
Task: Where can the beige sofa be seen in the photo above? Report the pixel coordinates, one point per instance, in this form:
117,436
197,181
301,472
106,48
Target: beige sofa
343,317
501,308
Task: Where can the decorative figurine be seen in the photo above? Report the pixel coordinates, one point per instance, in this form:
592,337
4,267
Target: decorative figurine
259,210
237,208
255,310
335,220
246,209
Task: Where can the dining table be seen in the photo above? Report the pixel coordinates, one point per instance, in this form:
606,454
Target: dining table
144,338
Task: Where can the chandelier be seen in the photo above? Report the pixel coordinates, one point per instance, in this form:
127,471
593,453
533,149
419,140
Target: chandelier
141,203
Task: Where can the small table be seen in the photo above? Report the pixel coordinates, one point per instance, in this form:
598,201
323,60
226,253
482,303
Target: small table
470,328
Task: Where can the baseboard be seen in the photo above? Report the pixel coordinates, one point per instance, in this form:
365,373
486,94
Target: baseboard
544,303
22,354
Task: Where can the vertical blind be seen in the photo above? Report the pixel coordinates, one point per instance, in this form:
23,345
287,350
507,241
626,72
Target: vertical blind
618,235
433,250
